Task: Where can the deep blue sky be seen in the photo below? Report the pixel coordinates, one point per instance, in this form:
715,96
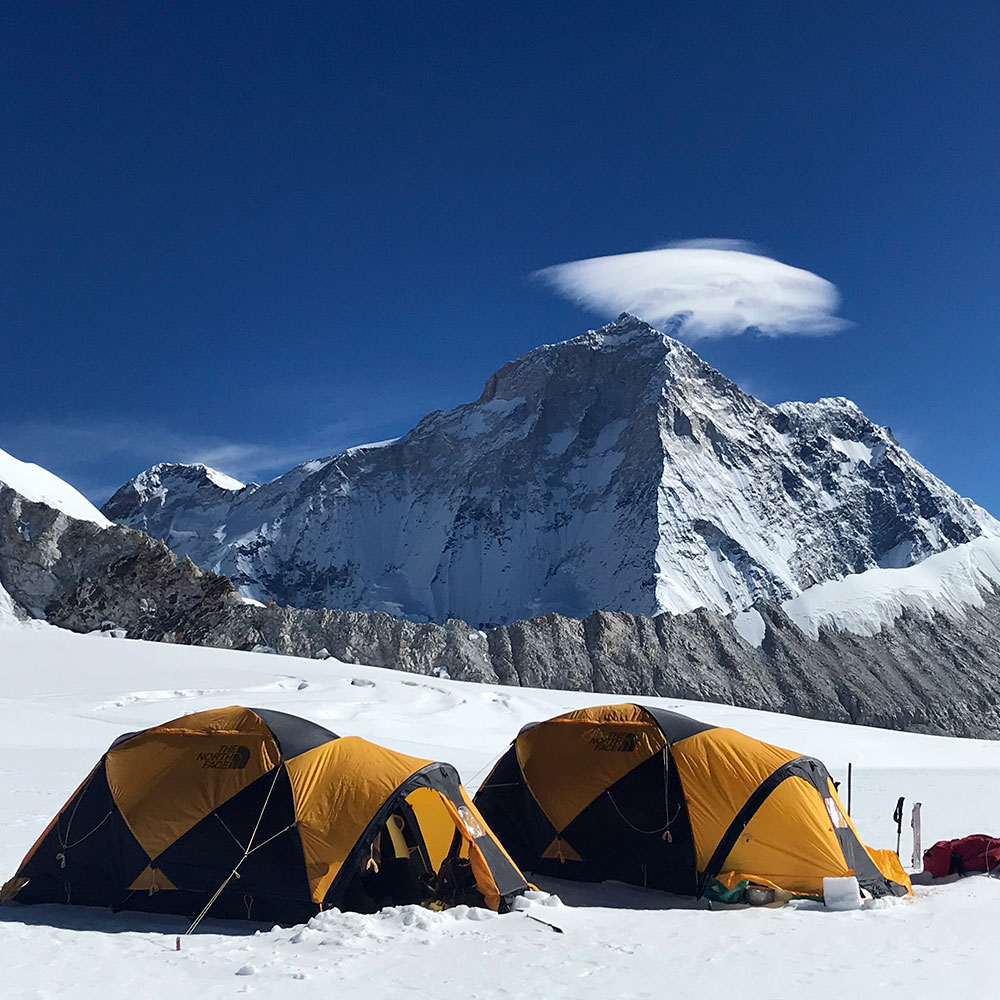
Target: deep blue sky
259,233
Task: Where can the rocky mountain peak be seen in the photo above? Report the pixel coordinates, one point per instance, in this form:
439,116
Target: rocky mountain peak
616,350
170,486
614,471
626,330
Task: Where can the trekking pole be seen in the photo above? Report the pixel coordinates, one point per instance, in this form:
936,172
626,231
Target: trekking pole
898,817
849,767
545,923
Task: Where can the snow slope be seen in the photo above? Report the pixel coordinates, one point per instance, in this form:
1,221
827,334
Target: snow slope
67,696
38,484
947,582
8,616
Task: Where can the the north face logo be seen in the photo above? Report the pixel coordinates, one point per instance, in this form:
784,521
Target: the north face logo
232,756
613,742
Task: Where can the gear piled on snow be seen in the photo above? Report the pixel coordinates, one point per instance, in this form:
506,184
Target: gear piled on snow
970,855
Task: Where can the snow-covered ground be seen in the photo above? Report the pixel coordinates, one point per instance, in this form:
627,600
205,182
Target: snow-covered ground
65,697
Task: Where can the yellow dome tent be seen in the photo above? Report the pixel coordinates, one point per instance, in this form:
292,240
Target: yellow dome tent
256,814
651,797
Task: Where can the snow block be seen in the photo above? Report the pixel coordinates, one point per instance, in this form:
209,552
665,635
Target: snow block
842,893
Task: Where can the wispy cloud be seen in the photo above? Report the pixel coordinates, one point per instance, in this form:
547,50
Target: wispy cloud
86,455
715,288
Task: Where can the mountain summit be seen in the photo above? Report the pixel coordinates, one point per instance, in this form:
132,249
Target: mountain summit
615,471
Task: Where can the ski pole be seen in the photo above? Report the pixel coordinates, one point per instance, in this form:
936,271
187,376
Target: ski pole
545,923
898,817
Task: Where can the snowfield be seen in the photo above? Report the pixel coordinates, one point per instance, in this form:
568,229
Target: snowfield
945,583
66,697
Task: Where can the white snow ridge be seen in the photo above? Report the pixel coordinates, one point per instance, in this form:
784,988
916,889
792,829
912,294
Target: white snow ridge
41,486
223,481
947,582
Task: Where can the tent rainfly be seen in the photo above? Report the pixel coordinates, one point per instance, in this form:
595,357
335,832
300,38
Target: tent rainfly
654,798
256,814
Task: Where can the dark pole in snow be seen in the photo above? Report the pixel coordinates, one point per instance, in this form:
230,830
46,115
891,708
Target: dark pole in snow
849,766
545,923
898,817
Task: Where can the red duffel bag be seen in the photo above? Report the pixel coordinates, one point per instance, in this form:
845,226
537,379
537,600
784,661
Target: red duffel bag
975,853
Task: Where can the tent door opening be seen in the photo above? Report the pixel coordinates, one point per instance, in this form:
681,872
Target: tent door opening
395,868
418,854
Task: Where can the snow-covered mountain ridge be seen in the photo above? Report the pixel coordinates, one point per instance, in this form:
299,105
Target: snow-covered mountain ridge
922,654
35,483
615,471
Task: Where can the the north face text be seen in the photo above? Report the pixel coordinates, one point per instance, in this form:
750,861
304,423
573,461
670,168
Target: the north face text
614,742
233,756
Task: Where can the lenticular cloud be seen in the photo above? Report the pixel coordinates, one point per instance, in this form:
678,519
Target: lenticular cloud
715,288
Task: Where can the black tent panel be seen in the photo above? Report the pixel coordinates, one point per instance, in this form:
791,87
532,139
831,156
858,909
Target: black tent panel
294,735
89,856
253,833
674,725
513,814
636,831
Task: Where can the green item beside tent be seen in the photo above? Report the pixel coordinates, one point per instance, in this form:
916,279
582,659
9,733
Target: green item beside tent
716,892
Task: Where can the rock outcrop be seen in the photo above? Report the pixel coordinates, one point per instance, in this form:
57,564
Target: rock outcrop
928,673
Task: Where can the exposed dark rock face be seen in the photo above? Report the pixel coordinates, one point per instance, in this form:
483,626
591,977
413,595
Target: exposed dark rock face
937,675
76,574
